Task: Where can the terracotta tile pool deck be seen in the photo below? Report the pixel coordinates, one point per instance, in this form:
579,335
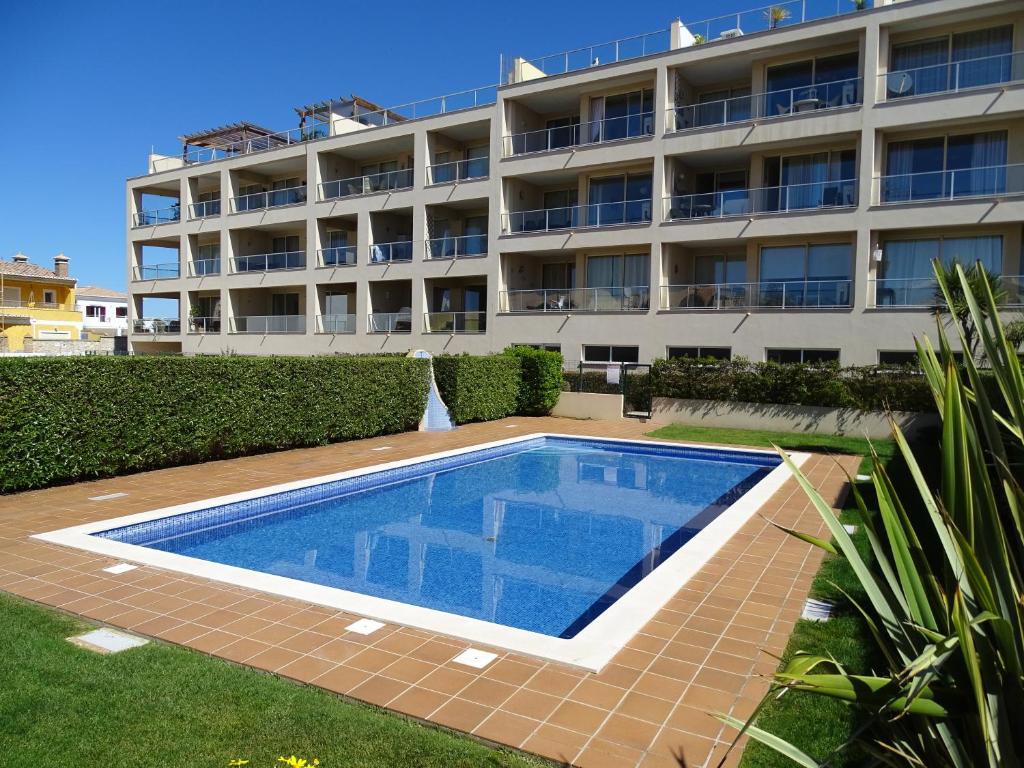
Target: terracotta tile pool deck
704,650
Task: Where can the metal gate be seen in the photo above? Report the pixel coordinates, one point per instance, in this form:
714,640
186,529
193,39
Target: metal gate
636,390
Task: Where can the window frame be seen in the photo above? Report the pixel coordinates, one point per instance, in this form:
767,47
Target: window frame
803,355
611,353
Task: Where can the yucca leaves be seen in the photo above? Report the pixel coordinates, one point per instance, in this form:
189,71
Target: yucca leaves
944,592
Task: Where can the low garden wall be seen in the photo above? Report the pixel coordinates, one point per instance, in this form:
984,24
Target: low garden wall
588,405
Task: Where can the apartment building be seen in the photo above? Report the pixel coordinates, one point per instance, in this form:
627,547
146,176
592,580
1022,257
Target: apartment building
766,185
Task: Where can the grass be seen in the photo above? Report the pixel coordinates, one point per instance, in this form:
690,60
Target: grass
166,706
815,724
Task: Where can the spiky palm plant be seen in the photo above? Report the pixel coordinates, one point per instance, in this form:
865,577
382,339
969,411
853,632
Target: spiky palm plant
951,299
776,15
945,595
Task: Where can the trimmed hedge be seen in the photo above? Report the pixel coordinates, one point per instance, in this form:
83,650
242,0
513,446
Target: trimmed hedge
67,419
478,388
540,380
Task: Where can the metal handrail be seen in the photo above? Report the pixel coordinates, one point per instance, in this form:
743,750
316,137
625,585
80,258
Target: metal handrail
957,183
577,216
768,294
389,322
336,323
635,298
398,250
277,140
203,267
274,198
165,271
923,292
623,49
204,324
769,104
580,134
386,181
761,19
204,210
157,325
459,170
461,247
158,216
455,322
264,324
953,76
338,256
744,202
436,105
269,262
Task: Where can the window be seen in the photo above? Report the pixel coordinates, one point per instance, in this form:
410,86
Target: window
442,172
559,276
718,353
716,269
830,81
897,358
561,132
619,199
801,355
818,180
96,310
607,354
284,304
11,296
624,115
121,312
945,166
962,60
49,297
905,276
631,270
543,347
730,105
806,275
476,165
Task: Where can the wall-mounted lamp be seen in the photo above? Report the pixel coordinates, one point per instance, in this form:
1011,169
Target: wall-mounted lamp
877,253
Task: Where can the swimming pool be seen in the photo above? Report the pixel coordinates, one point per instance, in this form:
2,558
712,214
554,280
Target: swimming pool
557,546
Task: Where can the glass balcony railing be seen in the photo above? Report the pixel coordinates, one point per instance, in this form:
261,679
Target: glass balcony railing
336,324
455,322
951,184
459,170
578,216
635,298
463,247
17,304
791,101
390,322
205,209
338,256
157,326
400,250
388,181
953,76
269,324
745,202
275,198
204,325
158,216
203,267
923,292
269,262
771,294
158,271
580,134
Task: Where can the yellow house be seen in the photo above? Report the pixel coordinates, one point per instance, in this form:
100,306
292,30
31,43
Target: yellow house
36,302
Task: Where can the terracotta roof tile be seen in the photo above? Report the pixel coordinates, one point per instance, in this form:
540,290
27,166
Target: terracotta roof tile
27,269
96,292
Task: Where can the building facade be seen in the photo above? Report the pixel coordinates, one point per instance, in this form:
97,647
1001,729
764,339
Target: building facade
36,303
104,311
773,189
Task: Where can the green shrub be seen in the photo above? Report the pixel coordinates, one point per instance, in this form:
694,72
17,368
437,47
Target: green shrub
595,382
67,419
541,380
478,388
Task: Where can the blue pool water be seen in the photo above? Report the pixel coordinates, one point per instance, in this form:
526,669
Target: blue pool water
542,534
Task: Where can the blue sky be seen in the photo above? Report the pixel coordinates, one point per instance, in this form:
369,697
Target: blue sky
88,88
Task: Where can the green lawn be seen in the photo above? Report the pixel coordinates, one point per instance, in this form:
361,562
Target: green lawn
816,724
165,706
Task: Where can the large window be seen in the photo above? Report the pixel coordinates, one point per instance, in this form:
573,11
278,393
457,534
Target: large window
96,310
806,275
618,282
778,355
619,199
951,62
804,86
816,180
621,116
697,353
963,165
593,353
905,275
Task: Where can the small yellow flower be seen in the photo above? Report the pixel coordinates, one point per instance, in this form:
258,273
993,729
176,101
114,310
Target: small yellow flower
238,761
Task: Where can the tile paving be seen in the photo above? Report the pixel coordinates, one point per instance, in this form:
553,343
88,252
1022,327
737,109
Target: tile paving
704,650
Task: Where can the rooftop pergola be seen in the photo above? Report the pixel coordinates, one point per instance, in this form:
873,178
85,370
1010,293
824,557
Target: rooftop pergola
321,111
232,133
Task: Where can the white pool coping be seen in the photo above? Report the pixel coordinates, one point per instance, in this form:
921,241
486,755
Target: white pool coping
592,648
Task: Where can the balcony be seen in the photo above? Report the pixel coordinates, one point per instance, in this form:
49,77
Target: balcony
772,104
578,216
158,271
618,299
953,76
157,326
762,200
203,267
385,253
459,170
158,216
580,134
336,323
924,293
19,305
275,198
266,324
390,322
455,322
464,247
339,256
269,262
786,294
204,325
204,210
388,181
956,184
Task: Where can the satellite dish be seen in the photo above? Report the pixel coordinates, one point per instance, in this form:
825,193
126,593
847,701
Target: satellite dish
901,83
